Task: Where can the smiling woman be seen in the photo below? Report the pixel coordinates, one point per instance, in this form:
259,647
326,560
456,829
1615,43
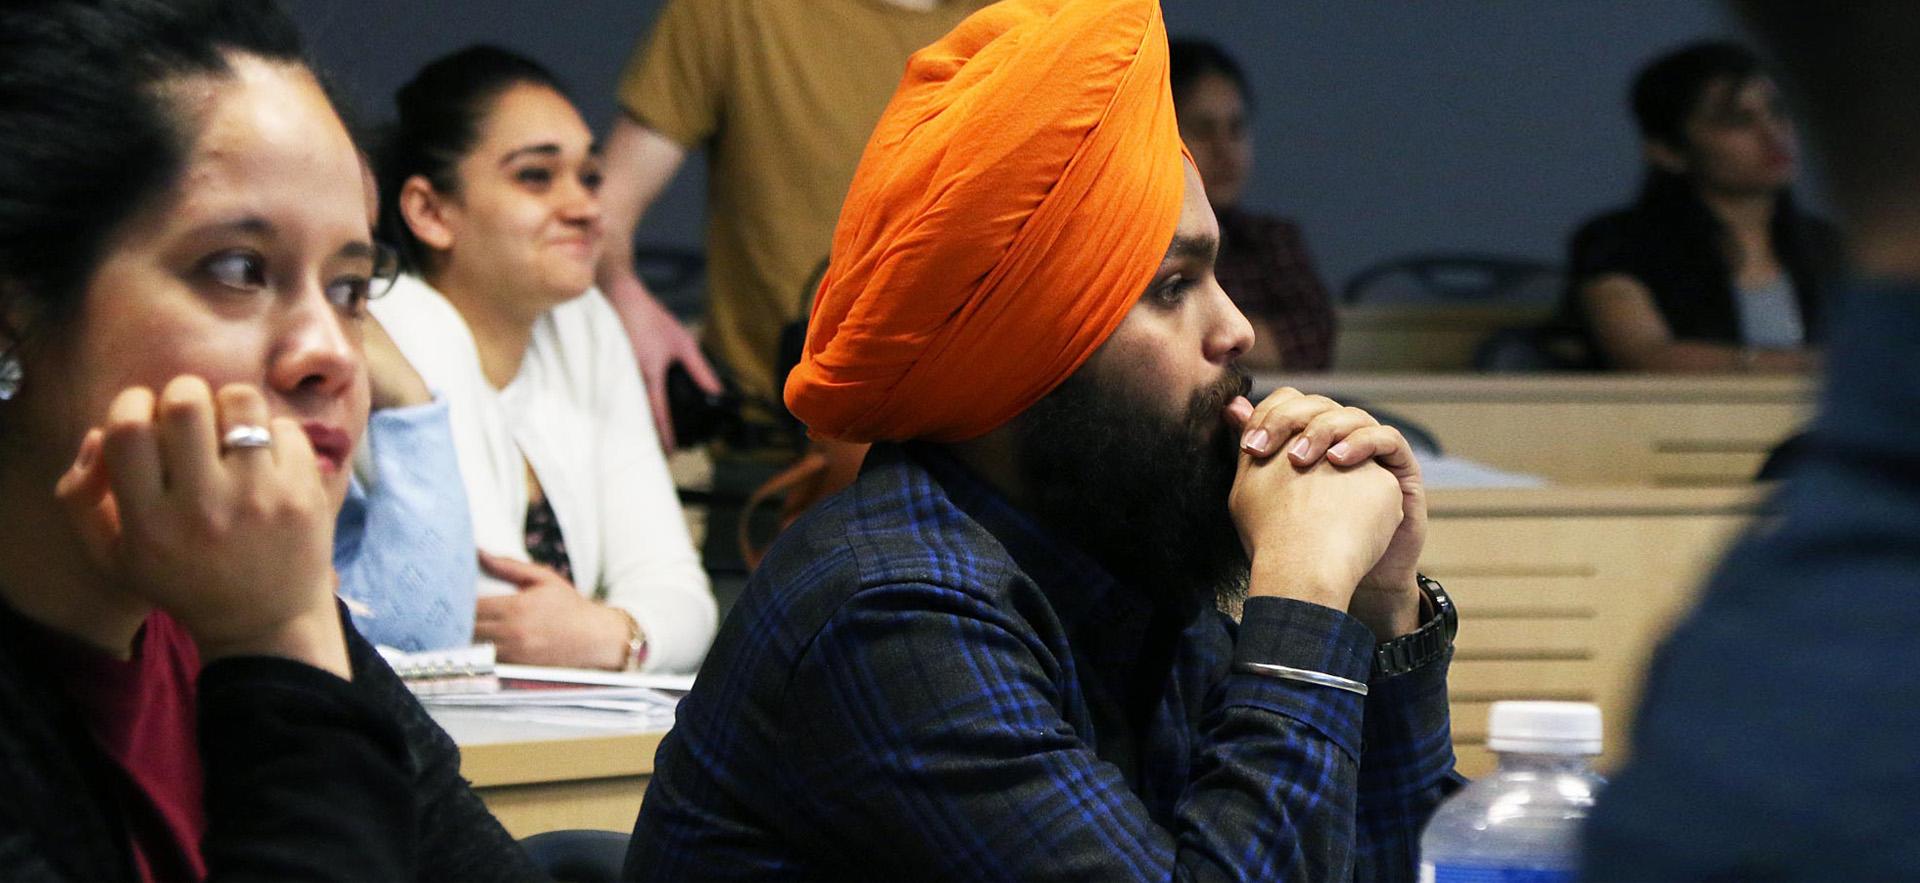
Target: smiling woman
490,183
184,261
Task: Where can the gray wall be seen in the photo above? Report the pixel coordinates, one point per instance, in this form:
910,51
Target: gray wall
1385,127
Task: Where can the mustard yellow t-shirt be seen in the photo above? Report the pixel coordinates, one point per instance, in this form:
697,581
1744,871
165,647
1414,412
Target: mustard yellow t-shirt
783,94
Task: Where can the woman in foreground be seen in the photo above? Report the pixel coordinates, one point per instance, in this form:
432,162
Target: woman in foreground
184,258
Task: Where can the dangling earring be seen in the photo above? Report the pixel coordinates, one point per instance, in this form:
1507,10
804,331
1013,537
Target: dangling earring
9,376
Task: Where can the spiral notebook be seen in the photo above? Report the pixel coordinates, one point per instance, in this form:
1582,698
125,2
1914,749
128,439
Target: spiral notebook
456,670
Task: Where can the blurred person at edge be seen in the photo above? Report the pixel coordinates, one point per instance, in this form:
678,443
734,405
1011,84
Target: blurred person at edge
1775,737
184,261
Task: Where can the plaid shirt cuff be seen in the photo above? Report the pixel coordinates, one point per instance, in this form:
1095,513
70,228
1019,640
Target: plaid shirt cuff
1297,634
1408,728
1412,703
1408,764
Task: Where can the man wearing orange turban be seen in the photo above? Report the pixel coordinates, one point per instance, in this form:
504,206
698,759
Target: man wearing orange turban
1000,654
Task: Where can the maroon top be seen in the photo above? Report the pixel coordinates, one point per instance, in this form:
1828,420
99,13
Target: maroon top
141,712
1264,267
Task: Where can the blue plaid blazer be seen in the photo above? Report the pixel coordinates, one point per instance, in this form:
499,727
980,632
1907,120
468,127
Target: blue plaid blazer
919,683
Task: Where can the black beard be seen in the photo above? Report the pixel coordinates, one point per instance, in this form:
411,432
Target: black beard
1142,492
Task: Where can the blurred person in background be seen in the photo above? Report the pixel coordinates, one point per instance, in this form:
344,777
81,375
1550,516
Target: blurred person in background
1715,267
1264,265
403,542
781,95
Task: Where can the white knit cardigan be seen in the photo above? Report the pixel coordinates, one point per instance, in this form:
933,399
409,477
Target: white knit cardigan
577,413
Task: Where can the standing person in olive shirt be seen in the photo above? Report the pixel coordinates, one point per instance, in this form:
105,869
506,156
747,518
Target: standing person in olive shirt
782,94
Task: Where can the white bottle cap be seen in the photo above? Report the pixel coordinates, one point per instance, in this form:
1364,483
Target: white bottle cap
1544,727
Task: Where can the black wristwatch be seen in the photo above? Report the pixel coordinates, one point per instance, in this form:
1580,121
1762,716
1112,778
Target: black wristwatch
1424,644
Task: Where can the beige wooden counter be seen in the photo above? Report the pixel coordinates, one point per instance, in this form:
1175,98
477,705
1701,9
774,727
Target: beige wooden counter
545,777
1619,429
1564,592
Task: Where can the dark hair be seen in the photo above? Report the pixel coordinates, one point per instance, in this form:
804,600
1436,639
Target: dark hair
88,131
1668,89
1851,70
1189,59
440,114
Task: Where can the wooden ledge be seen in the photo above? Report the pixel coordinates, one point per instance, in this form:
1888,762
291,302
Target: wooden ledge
559,760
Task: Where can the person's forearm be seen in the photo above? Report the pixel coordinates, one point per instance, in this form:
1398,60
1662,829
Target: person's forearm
393,380
1286,575
1387,612
414,561
314,640
457,839
675,610
1694,356
1293,576
638,162
1795,360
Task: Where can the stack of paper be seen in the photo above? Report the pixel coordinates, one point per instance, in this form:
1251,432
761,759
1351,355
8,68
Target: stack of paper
1440,471
573,696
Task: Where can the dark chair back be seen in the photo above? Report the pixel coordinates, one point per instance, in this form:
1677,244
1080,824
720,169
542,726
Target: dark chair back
1422,439
578,856
1455,278
1533,349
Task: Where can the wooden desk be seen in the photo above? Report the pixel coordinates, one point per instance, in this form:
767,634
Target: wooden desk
1564,592
546,777
1423,337
1613,429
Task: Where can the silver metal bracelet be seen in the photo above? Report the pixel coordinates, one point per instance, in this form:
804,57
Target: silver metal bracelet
1287,673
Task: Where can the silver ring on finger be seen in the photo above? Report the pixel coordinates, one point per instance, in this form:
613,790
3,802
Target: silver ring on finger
246,435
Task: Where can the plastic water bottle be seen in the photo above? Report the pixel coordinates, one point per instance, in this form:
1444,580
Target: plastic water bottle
1521,824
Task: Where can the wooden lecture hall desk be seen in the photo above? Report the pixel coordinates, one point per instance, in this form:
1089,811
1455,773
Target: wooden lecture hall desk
1593,429
538,777
1565,591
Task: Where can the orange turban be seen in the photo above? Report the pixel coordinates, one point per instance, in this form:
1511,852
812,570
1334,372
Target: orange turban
1016,197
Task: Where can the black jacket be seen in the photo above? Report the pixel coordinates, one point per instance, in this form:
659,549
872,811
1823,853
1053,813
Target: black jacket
307,777
1691,284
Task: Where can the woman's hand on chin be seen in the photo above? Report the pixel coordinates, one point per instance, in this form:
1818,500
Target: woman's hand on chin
233,541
